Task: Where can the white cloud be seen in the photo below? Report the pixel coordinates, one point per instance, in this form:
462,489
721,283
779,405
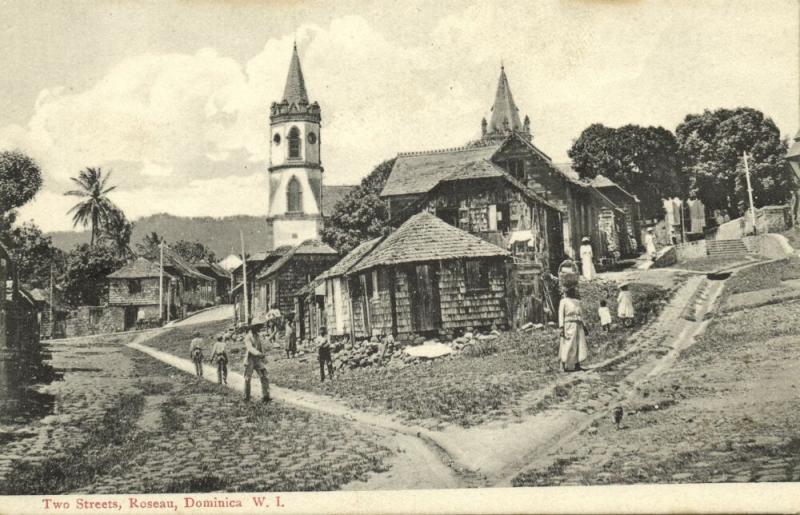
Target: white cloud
184,133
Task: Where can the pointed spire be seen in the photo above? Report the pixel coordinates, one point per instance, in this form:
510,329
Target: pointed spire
295,90
504,108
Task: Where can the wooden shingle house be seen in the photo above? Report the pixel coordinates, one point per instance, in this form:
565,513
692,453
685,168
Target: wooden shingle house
505,146
134,288
276,284
427,277
222,280
19,325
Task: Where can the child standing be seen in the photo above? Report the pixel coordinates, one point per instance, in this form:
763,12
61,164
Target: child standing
219,355
196,352
605,315
291,338
625,305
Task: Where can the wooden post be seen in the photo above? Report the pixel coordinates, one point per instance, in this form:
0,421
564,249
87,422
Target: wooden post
52,317
749,191
244,280
161,281
169,299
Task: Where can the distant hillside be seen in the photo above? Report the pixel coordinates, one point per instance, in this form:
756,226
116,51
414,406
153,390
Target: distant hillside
219,234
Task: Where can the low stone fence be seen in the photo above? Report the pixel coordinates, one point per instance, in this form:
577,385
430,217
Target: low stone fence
89,320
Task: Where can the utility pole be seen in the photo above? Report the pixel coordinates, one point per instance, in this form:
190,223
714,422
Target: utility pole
161,282
52,299
244,280
749,190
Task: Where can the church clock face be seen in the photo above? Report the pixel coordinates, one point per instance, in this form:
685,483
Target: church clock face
312,138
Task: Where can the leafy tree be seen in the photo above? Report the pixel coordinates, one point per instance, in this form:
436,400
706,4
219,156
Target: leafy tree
116,232
643,160
96,209
85,273
20,179
194,252
34,254
149,246
711,144
361,215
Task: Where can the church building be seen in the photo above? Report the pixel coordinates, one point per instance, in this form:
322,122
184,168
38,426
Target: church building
295,211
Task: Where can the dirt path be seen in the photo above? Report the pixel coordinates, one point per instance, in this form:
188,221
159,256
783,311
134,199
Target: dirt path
493,453
417,465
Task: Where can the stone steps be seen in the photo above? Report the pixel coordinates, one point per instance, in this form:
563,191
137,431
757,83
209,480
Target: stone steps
726,248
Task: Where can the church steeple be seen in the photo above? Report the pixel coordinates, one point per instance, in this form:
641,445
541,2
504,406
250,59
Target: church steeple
295,90
505,114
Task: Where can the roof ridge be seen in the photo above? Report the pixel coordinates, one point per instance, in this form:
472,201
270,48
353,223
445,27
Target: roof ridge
461,148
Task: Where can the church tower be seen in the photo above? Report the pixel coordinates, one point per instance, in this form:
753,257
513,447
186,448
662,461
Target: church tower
505,115
295,171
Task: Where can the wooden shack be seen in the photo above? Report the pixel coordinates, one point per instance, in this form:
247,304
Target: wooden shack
276,284
19,325
327,303
427,277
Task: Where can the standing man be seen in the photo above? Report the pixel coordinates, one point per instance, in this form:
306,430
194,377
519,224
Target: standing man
273,318
254,360
324,352
196,352
219,355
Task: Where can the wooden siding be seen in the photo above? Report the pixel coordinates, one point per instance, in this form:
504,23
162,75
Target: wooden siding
281,286
119,292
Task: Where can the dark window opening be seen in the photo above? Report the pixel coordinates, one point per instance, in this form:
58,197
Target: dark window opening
276,139
476,274
294,193
294,142
134,286
449,215
504,218
516,167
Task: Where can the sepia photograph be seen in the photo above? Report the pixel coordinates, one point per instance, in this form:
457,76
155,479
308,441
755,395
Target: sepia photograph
375,256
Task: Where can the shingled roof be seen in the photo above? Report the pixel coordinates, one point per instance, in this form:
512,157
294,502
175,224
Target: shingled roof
351,259
794,150
419,172
425,237
313,247
140,268
601,181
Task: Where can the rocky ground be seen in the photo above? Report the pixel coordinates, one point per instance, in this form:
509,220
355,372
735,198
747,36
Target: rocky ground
123,422
726,411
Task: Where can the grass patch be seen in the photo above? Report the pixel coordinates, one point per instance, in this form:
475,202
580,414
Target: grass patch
471,387
764,276
709,263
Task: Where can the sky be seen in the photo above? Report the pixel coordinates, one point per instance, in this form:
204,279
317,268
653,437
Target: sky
173,96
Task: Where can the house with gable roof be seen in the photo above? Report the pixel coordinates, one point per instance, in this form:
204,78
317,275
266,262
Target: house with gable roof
426,277
506,148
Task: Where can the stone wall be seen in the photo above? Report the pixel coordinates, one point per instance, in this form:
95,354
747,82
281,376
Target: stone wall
691,250
88,320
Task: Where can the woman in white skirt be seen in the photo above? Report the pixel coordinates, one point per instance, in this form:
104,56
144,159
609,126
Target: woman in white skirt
573,348
587,266
625,305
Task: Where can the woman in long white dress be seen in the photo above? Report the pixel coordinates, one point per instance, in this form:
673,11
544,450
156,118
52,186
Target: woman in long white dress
650,244
573,347
587,266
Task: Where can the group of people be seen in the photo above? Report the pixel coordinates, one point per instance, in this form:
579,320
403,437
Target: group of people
573,347
255,353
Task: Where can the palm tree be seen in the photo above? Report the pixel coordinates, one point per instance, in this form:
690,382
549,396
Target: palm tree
149,245
96,208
